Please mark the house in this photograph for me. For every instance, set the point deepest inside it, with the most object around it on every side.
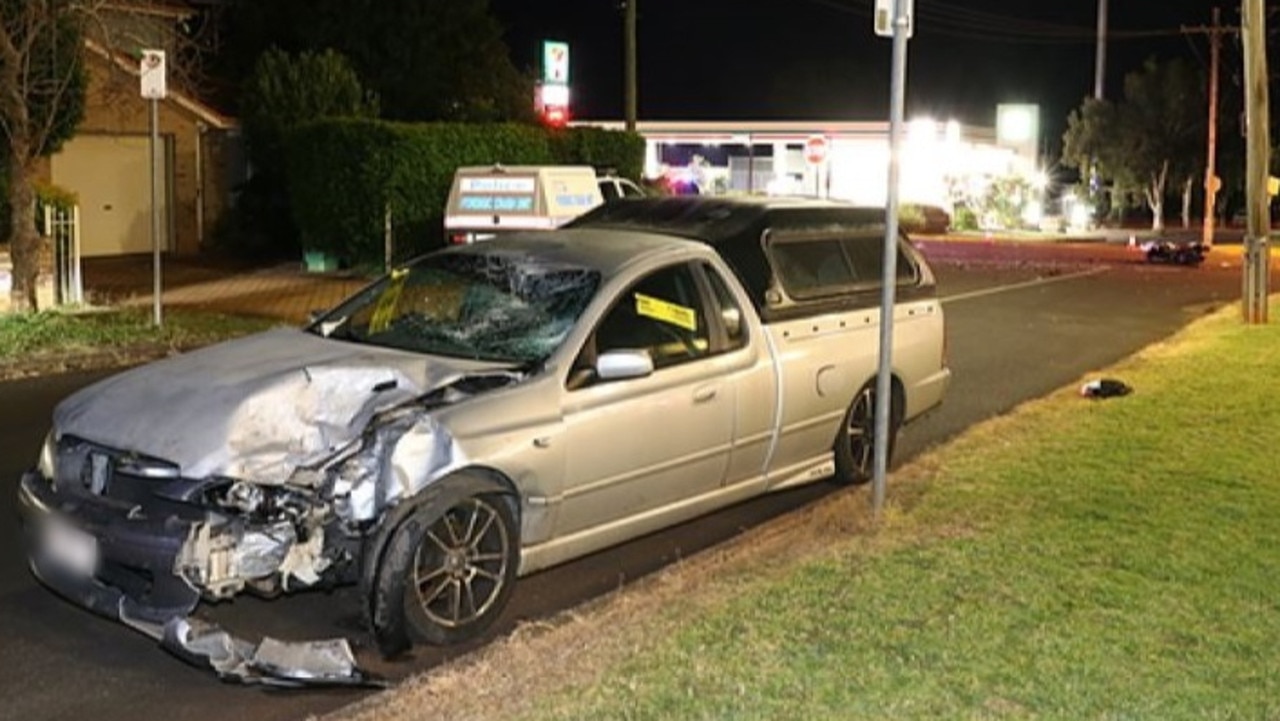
(108, 162)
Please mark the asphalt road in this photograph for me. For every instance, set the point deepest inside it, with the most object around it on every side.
(1018, 328)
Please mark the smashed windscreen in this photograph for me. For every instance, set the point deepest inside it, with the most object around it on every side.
(468, 305)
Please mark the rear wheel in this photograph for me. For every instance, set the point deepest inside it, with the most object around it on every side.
(855, 444)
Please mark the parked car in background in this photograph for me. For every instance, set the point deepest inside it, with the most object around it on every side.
(486, 411)
(486, 201)
(613, 187)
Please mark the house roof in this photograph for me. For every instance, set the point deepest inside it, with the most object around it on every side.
(201, 110)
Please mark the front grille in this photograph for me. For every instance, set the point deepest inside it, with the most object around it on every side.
(86, 468)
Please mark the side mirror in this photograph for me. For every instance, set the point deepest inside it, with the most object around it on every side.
(623, 364)
(732, 318)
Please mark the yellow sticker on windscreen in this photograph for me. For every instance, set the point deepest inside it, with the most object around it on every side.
(385, 311)
(658, 309)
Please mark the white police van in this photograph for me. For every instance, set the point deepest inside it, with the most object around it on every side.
(489, 200)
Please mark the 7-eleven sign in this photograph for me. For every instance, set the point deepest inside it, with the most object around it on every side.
(555, 63)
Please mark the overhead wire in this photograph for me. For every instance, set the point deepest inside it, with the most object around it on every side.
(954, 21)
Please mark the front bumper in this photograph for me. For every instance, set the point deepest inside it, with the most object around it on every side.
(125, 568)
(134, 554)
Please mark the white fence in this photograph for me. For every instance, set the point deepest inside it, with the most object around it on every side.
(62, 226)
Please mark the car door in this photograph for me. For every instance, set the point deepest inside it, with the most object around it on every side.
(638, 445)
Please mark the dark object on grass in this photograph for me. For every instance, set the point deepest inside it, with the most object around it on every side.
(1184, 252)
(1105, 388)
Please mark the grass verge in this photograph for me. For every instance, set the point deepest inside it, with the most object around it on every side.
(52, 332)
(1073, 559)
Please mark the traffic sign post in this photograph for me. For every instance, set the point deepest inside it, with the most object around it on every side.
(815, 149)
(815, 154)
(901, 25)
(154, 87)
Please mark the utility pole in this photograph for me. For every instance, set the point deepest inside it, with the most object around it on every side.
(1099, 87)
(1257, 251)
(629, 44)
(1211, 182)
(1100, 61)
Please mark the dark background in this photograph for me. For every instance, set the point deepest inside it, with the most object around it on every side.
(810, 59)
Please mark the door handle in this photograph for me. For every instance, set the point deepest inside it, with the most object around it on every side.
(704, 394)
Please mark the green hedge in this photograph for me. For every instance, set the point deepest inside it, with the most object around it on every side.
(344, 173)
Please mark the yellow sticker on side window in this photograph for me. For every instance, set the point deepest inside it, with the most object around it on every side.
(658, 309)
(385, 311)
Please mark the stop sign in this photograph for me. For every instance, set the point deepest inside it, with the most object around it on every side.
(815, 149)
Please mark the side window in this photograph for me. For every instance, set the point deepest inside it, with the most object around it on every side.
(631, 190)
(817, 267)
(735, 326)
(810, 268)
(867, 254)
(662, 314)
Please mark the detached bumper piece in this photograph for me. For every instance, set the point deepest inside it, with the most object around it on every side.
(271, 662)
(131, 580)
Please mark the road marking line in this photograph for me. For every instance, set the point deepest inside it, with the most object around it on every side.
(1024, 284)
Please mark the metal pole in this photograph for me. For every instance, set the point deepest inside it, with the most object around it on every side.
(632, 87)
(388, 251)
(1257, 256)
(1210, 166)
(884, 386)
(77, 280)
(1099, 92)
(155, 216)
(1100, 61)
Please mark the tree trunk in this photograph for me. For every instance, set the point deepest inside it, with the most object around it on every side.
(1155, 196)
(1187, 185)
(24, 246)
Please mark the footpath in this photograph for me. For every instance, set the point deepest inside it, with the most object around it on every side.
(283, 292)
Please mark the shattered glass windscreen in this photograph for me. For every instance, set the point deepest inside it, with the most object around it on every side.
(484, 307)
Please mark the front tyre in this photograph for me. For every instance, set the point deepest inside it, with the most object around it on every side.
(452, 571)
(855, 444)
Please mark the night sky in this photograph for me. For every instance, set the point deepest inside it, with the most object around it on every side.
(818, 59)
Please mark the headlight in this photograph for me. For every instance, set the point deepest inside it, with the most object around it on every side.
(48, 462)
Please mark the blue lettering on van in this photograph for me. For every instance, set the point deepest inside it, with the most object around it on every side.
(490, 203)
(583, 200)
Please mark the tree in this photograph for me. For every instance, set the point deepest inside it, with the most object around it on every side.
(426, 59)
(1155, 133)
(283, 91)
(42, 91)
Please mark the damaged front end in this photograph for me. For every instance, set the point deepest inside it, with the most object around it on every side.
(130, 539)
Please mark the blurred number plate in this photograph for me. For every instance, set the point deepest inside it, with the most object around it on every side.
(71, 548)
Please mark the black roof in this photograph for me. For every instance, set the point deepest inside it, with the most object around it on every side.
(735, 227)
(718, 219)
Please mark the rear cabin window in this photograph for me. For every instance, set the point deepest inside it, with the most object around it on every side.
(818, 267)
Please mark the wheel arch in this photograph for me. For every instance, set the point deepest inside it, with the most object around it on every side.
(442, 493)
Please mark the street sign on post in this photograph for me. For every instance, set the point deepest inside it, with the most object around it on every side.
(815, 149)
(900, 24)
(152, 75)
(154, 87)
(884, 16)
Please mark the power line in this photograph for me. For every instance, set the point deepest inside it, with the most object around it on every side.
(955, 21)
